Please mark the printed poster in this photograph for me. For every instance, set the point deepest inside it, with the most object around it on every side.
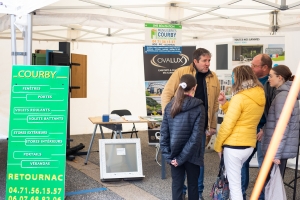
(163, 38)
(37, 133)
(158, 68)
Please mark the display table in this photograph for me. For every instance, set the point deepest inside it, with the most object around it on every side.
(115, 126)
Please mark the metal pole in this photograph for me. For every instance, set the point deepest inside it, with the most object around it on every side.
(24, 35)
(29, 39)
(13, 39)
(110, 80)
(283, 5)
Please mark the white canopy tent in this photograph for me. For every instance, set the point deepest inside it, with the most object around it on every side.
(118, 22)
(111, 33)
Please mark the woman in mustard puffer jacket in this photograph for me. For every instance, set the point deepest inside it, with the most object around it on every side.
(237, 135)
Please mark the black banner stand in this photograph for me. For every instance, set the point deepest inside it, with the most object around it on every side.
(72, 152)
(64, 60)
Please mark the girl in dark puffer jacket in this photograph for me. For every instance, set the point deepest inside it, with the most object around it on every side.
(181, 133)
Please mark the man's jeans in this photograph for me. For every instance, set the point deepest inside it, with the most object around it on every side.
(245, 170)
(201, 176)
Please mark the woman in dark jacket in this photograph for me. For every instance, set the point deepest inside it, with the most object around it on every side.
(181, 133)
(281, 78)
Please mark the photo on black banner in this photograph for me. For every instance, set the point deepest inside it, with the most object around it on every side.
(153, 91)
(154, 88)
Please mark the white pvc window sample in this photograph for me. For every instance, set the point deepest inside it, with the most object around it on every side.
(120, 158)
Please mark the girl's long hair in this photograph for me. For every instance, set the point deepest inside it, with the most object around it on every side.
(190, 82)
(243, 74)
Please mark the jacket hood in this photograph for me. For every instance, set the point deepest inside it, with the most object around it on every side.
(190, 103)
(257, 94)
(286, 87)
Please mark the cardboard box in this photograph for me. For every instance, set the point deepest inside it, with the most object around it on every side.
(151, 136)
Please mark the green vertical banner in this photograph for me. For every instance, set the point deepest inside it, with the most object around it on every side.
(36, 157)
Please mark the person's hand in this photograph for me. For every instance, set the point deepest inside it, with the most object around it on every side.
(276, 161)
(220, 154)
(212, 131)
(259, 135)
(207, 132)
(222, 99)
(174, 163)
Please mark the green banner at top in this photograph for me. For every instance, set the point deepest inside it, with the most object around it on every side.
(163, 38)
(176, 26)
(37, 133)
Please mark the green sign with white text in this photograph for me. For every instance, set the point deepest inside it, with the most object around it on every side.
(36, 157)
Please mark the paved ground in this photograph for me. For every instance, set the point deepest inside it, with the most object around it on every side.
(85, 179)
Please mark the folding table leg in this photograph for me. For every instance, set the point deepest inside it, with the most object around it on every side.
(120, 133)
(101, 132)
(91, 143)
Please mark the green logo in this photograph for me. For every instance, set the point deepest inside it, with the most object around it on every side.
(153, 34)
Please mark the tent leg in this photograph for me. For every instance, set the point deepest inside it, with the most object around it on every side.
(13, 39)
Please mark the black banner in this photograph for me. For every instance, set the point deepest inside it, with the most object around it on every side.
(160, 66)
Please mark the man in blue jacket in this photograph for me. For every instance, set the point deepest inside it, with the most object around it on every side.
(261, 66)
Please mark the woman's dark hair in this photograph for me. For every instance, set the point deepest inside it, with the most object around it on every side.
(187, 82)
(283, 71)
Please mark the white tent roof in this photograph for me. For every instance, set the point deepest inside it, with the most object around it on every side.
(117, 21)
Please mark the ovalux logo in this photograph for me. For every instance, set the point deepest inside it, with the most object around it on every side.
(159, 62)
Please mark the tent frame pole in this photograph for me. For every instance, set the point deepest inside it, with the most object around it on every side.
(13, 39)
(29, 39)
